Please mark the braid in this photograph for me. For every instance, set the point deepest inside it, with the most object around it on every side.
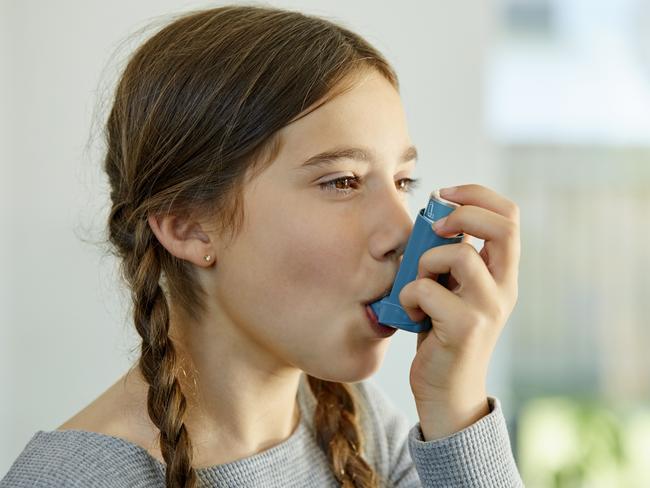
(338, 434)
(166, 402)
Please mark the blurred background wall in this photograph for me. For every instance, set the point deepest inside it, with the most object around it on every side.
(567, 102)
(544, 101)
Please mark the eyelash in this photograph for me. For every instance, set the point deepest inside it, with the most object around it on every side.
(330, 185)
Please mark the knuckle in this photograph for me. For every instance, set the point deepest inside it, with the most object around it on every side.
(420, 288)
(465, 252)
(479, 319)
(500, 312)
(513, 211)
(475, 323)
(511, 229)
(502, 309)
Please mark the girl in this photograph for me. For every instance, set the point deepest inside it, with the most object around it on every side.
(259, 164)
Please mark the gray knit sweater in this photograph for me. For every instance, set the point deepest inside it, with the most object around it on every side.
(479, 455)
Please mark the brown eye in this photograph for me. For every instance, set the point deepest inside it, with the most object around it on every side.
(409, 184)
(341, 185)
(347, 184)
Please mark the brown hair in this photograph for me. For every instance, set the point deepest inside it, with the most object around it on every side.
(196, 109)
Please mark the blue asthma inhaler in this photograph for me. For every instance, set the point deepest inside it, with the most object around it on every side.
(389, 310)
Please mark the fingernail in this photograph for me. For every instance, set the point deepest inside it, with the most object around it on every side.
(438, 224)
(445, 192)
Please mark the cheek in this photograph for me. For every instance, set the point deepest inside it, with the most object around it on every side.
(311, 258)
(294, 266)
(292, 283)
(303, 245)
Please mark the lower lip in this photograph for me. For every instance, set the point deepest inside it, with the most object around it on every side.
(380, 330)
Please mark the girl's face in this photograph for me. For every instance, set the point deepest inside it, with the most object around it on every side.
(295, 279)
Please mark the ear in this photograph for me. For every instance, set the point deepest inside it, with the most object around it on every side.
(183, 238)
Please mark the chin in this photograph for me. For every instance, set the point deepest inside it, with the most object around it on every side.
(353, 369)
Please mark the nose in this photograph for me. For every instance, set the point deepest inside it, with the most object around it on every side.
(391, 225)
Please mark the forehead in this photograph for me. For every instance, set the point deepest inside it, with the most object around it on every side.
(369, 114)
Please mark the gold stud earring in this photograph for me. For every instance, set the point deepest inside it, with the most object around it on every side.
(207, 257)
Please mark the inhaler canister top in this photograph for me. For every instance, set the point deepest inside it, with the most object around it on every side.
(435, 196)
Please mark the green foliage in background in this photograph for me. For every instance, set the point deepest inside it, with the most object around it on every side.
(565, 442)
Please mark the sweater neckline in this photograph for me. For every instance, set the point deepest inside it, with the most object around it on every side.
(281, 451)
(284, 448)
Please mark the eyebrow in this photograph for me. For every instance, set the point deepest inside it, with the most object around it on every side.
(329, 157)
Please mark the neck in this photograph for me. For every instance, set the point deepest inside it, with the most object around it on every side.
(240, 400)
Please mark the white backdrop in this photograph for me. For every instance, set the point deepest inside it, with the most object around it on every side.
(65, 331)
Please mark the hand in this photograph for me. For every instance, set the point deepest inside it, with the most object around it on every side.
(448, 374)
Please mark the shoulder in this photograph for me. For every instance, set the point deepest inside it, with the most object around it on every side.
(75, 458)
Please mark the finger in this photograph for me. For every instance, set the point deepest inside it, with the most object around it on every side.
(465, 265)
(425, 296)
(500, 234)
(475, 221)
(446, 279)
(447, 311)
(482, 196)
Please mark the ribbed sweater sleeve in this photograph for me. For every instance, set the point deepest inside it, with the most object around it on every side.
(477, 456)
